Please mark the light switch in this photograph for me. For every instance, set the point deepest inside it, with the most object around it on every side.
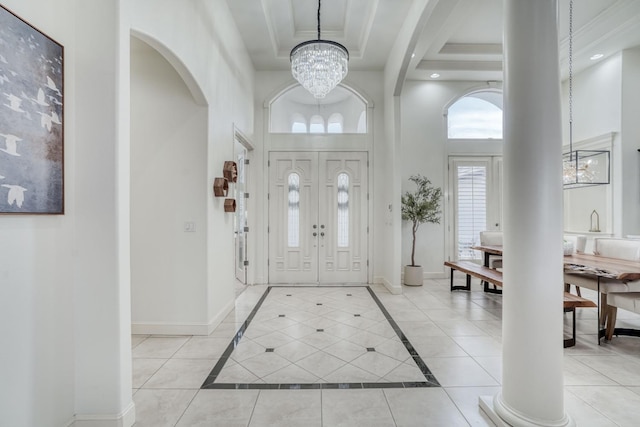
(189, 226)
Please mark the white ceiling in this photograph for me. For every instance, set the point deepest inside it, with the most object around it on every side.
(461, 39)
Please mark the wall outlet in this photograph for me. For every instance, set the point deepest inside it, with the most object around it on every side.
(189, 227)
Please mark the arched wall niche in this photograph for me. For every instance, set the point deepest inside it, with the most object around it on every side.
(182, 70)
(288, 103)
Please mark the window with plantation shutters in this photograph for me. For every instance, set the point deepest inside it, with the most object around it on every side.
(471, 209)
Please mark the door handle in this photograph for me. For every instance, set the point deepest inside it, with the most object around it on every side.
(322, 234)
(315, 234)
(315, 226)
(322, 226)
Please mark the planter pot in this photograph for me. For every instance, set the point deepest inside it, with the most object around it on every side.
(413, 275)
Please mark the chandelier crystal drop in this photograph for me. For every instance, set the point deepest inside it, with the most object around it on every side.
(319, 65)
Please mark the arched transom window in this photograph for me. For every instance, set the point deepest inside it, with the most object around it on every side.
(297, 111)
(477, 115)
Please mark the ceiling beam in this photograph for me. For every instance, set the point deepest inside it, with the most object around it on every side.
(460, 65)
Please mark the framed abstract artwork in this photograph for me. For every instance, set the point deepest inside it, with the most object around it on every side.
(31, 119)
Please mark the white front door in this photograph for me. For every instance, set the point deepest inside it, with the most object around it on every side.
(318, 217)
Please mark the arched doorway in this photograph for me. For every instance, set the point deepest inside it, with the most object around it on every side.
(168, 170)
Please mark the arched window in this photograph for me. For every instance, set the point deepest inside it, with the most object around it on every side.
(477, 115)
(316, 124)
(362, 123)
(335, 124)
(299, 124)
(291, 110)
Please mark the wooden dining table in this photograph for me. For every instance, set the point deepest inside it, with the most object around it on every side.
(611, 268)
(596, 266)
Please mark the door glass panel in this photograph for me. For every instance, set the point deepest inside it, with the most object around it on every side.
(294, 211)
(240, 211)
(343, 210)
(472, 207)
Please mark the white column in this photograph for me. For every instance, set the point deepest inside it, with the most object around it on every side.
(532, 386)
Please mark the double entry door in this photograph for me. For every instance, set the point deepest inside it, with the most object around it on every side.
(318, 217)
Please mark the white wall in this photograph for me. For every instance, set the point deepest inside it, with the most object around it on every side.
(60, 275)
(203, 38)
(65, 311)
(168, 184)
(394, 80)
(630, 142)
(425, 150)
(597, 110)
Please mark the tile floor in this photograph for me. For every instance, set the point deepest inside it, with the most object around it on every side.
(320, 337)
(457, 336)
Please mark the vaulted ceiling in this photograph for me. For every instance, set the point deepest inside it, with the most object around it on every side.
(459, 39)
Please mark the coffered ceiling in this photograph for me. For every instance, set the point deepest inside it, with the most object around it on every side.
(459, 39)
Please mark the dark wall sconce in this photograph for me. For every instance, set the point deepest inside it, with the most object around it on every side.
(230, 171)
(229, 205)
(220, 187)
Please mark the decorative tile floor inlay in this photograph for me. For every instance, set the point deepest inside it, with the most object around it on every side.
(319, 337)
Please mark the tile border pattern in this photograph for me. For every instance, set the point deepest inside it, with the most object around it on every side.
(430, 379)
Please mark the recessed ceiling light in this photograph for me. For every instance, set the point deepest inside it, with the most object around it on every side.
(435, 75)
(413, 55)
(596, 56)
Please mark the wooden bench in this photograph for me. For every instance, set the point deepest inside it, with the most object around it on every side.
(486, 274)
(571, 302)
(489, 275)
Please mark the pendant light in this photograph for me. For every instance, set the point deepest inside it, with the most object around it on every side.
(319, 65)
(581, 168)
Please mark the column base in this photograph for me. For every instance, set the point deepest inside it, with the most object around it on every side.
(486, 404)
(502, 416)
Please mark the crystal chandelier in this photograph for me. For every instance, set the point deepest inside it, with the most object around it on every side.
(319, 65)
(581, 168)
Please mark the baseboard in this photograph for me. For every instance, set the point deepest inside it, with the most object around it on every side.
(168, 328)
(126, 419)
(395, 290)
(218, 318)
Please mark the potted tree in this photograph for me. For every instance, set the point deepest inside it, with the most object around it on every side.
(419, 207)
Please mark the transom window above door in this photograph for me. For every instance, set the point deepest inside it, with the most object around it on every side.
(477, 115)
(297, 111)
